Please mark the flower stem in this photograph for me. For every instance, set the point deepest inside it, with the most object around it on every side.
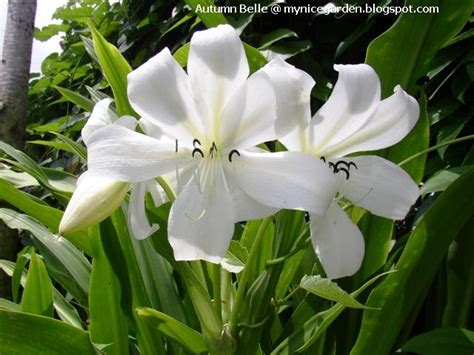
(435, 147)
(232, 325)
(216, 289)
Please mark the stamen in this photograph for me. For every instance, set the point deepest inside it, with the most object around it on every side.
(213, 149)
(196, 141)
(232, 152)
(176, 146)
(345, 170)
(197, 150)
(347, 164)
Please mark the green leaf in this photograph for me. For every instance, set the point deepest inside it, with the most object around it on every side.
(74, 147)
(52, 144)
(416, 267)
(115, 69)
(460, 279)
(275, 36)
(170, 327)
(442, 341)
(21, 262)
(441, 180)
(38, 293)
(108, 324)
(49, 216)
(303, 337)
(329, 290)
(19, 180)
(22, 333)
(9, 305)
(62, 307)
(77, 99)
(255, 58)
(420, 35)
(235, 258)
(65, 263)
(49, 31)
(209, 19)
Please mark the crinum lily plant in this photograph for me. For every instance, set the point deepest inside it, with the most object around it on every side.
(202, 128)
(200, 137)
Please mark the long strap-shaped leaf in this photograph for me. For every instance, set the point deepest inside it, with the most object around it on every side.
(426, 247)
(22, 333)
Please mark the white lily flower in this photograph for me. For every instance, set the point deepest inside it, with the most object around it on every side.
(354, 119)
(215, 115)
(97, 195)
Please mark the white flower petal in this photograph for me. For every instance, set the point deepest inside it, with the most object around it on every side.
(289, 180)
(94, 199)
(293, 92)
(380, 187)
(157, 194)
(123, 154)
(249, 117)
(201, 224)
(355, 97)
(246, 208)
(149, 128)
(338, 242)
(137, 220)
(390, 123)
(217, 67)
(160, 91)
(101, 116)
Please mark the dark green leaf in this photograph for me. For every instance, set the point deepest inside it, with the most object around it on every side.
(22, 333)
(170, 327)
(441, 342)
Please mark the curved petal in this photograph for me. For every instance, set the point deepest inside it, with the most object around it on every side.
(94, 199)
(201, 224)
(101, 116)
(137, 220)
(217, 67)
(122, 154)
(160, 91)
(249, 117)
(244, 206)
(289, 180)
(338, 242)
(380, 187)
(355, 97)
(390, 123)
(149, 128)
(292, 92)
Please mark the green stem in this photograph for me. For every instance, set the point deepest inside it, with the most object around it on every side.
(166, 186)
(435, 147)
(246, 273)
(216, 289)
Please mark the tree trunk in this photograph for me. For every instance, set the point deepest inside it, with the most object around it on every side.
(14, 76)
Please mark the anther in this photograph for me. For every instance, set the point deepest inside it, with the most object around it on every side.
(176, 145)
(346, 171)
(213, 149)
(323, 159)
(232, 152)
(333, 166)
(347, 164)
(197, 150)
(196, 141)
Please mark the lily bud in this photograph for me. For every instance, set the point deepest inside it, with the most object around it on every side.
(95, 198)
